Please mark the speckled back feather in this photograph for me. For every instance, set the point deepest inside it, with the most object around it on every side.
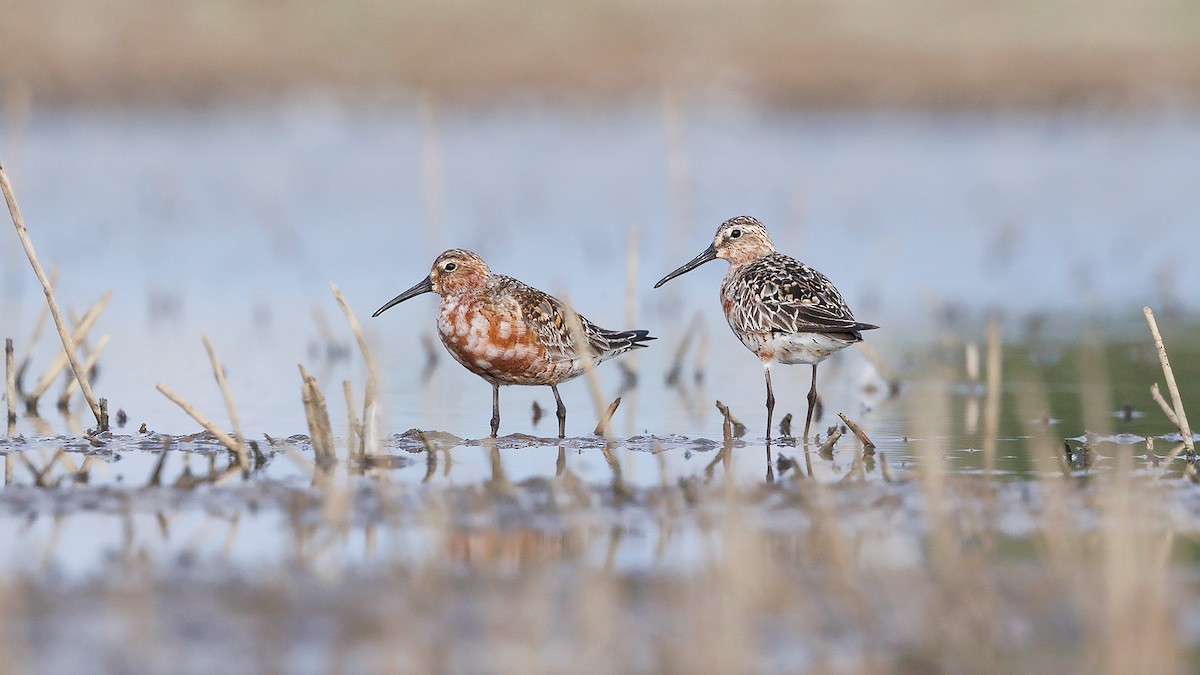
(777, 294)
(549, 318)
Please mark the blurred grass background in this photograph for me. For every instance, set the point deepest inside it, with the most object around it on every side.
(939, 53)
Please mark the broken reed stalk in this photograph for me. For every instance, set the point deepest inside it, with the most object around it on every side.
(224, 438)
(64, 399)
(10, 388)
(732, 427)
(371, 393)
(60, 359)
(219, 374)
(48, 289)
(317, 414)
(827, 447)
(602, 425)
(862, 436)
(1172, 387)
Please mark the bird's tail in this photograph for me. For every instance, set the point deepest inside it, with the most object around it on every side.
(621, 341)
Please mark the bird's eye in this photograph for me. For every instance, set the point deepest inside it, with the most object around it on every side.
(450, 267)
(735, 234)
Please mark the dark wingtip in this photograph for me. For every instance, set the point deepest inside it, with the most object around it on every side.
(639, 337)
(632, 338)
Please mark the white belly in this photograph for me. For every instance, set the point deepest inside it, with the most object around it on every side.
(795, 348)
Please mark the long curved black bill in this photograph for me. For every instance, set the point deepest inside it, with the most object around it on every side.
(426, 286)
(707, 255)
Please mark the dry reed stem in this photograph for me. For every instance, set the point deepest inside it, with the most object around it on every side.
(1162, 403)
(317, 415)
(61, 358)
(81, 345)
(38, 325)
(732, 427)
(1172, 387)
(64, 399)
(219, 374)
(372, 390)
(208, 425)
(10, 388)
(971, 361)
(48, 289)
(580, 343)
(352, 429)
(991, 404)
(827, 447)
(602, 425)
(868, 445)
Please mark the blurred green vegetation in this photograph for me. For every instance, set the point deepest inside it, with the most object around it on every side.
(1074, 387)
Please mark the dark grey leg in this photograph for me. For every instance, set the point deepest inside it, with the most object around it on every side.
(495, 409)
(812, 402)
(560, 411)
(770, 404)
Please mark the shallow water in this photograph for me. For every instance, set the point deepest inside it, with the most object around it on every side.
(233, 222)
